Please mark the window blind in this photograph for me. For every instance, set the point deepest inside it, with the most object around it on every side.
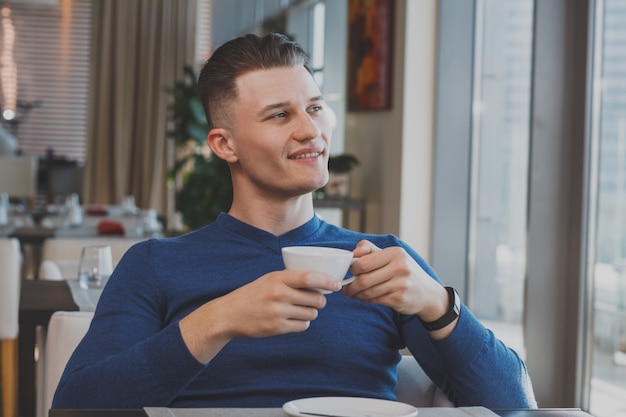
(52, 49)
(204, 40)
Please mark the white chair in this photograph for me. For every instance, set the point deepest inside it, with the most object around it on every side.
(10, 263)
(57, 270)
(60, 256)
(416, 388)
(65, 331)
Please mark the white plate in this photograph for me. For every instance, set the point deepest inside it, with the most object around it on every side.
(348, 407)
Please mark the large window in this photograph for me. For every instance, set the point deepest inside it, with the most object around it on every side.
(501, 102)
(499, 165)
(607, 357)
(529, 214)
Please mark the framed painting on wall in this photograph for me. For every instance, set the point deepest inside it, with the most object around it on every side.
(370, 25)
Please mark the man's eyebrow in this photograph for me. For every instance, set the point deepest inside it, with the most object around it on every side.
(282, 104)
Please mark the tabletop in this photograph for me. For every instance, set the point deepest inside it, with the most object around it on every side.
(43, 297)
(277, 412)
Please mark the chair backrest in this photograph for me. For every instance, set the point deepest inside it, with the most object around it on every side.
(416, 388)
(65, 331)
(53, 270)
(10, 263)
(60, 256)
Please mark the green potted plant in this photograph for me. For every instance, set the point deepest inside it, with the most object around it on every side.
(203, 184)
(339, 169)
(342, 163)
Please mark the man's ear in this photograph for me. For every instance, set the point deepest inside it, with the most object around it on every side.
(219, 141)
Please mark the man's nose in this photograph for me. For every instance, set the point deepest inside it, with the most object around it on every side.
(306, 127)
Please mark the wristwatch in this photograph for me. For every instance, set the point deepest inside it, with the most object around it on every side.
(454, 309)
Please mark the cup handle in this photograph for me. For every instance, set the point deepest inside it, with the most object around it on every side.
(352, 278)
(347, 281)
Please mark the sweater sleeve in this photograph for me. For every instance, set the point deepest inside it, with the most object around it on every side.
(142, 362)
(471, 365)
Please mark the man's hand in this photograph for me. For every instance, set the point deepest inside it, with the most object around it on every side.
(277, 303)
(390, 277)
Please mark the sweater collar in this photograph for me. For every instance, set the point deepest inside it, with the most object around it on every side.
(296, 236)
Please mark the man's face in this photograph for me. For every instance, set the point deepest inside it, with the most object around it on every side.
(281, 132)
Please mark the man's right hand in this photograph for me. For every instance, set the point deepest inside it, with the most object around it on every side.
(277, 303)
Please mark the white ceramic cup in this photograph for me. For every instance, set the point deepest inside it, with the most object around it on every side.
(329, 261)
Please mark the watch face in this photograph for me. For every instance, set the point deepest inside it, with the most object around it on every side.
(457, 302)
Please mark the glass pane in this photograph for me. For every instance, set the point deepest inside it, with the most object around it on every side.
(500, 140)
(317, 53)
(608, 355)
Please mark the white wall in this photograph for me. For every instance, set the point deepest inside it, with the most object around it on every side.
(395, 146)
(418, 134)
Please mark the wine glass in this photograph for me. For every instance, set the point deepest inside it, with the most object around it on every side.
(95, 267)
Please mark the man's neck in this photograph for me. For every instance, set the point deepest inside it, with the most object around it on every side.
(274, 216)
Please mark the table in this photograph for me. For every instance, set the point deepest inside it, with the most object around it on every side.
(33, 228)
(277, 412)
(39, 299)
(31, 240)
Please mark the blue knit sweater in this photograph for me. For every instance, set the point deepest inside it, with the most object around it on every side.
(134, 356)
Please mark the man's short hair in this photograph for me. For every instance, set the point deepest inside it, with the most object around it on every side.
(217, 80)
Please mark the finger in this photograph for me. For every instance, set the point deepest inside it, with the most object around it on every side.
(392, 260)
(276, 318)
(369, 269)
(387, 294)
(369, 258)
(365, 247)
(296, 326)
(283, 326)
(303, 313)
(307, 298)
(384, 267)
(366, 289)
(297, 319)
(376, 291)
(312, 281)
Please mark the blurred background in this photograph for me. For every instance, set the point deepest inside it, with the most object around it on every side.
(489, 134)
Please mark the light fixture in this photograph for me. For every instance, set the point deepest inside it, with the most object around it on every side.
(8, 68)
(8, 114)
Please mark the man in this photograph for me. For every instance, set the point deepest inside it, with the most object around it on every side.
(213, 319)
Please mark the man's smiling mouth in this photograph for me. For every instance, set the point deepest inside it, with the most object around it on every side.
(306, 155)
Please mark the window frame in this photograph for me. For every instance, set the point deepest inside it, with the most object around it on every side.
(556, 325)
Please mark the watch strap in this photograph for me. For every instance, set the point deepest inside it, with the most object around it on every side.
(454, 309)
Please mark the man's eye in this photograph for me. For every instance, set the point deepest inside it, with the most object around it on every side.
(315, 108)
(280, 115)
